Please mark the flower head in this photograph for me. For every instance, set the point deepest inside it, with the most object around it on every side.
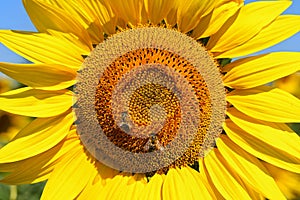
(139, 99)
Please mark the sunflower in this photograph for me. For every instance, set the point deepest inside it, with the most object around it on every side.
(290, 84)
(10, 124)
(140, 99)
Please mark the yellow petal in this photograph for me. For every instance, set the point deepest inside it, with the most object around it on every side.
(70, 176)
(102, 12)
(135, 187)
(102, 175)
(210, 24)
(130, 11)
(122, 184)
(92, 188)
(87, 14)
(153, 189)
(265, 103)
(157, 10)
(45, 17)
(40, 76)
(280, 29)
(174, 187)
(36, 103)
(249, 168)
(223, 179)
(261, 149)
(290, 84)
(81, 12)
(204, 174)
(31, 170)
(277, 135)
(39, 167)
(91, 191)
(190, 13)
(259, 70)
(252, 193)
(286, 181)
(37, 137)
(172, 15)
(111, 190)
(198, 186)
(106, 174)
(245, 24)
(58, 48)
(184, 184)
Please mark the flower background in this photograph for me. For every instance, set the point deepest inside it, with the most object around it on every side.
(13, 16)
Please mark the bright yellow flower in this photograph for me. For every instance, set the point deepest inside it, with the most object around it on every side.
(160, 114)
(290, 84)
(286, 181)
(10, 124)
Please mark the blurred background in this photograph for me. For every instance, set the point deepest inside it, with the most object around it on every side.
(13, 16)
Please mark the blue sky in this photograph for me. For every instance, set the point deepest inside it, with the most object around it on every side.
(13, 16)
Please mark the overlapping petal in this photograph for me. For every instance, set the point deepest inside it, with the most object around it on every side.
(203, 188)
(70, 175)
(124, 186)
(46, 17)
(83, 14)
(134, 187)
(280, 29)
(245, 24)
(157, 10)
(191, 12)
(290, 84)
(171, 18)
(38, 168)
(102, 14)
(204, 174)
(100, 177)
(37, 137)
(285, 180)
(36, 103)
(57, 48)
(261, 149)
(130, 11)
(92, 188)
(259, 70)
(224, 179)
(108, 192)
(277, 135)
(42, 76)
(212, 22)
(249, 168)
(32, 170)
(266, 103)
(183, 184)
(94, 15)
(153, 189)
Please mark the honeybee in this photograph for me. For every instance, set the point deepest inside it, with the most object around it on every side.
(153, 143)
(124, 125)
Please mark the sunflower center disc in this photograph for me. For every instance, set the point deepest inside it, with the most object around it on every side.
(148, 98)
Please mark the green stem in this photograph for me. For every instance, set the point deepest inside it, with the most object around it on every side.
(13, 192)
